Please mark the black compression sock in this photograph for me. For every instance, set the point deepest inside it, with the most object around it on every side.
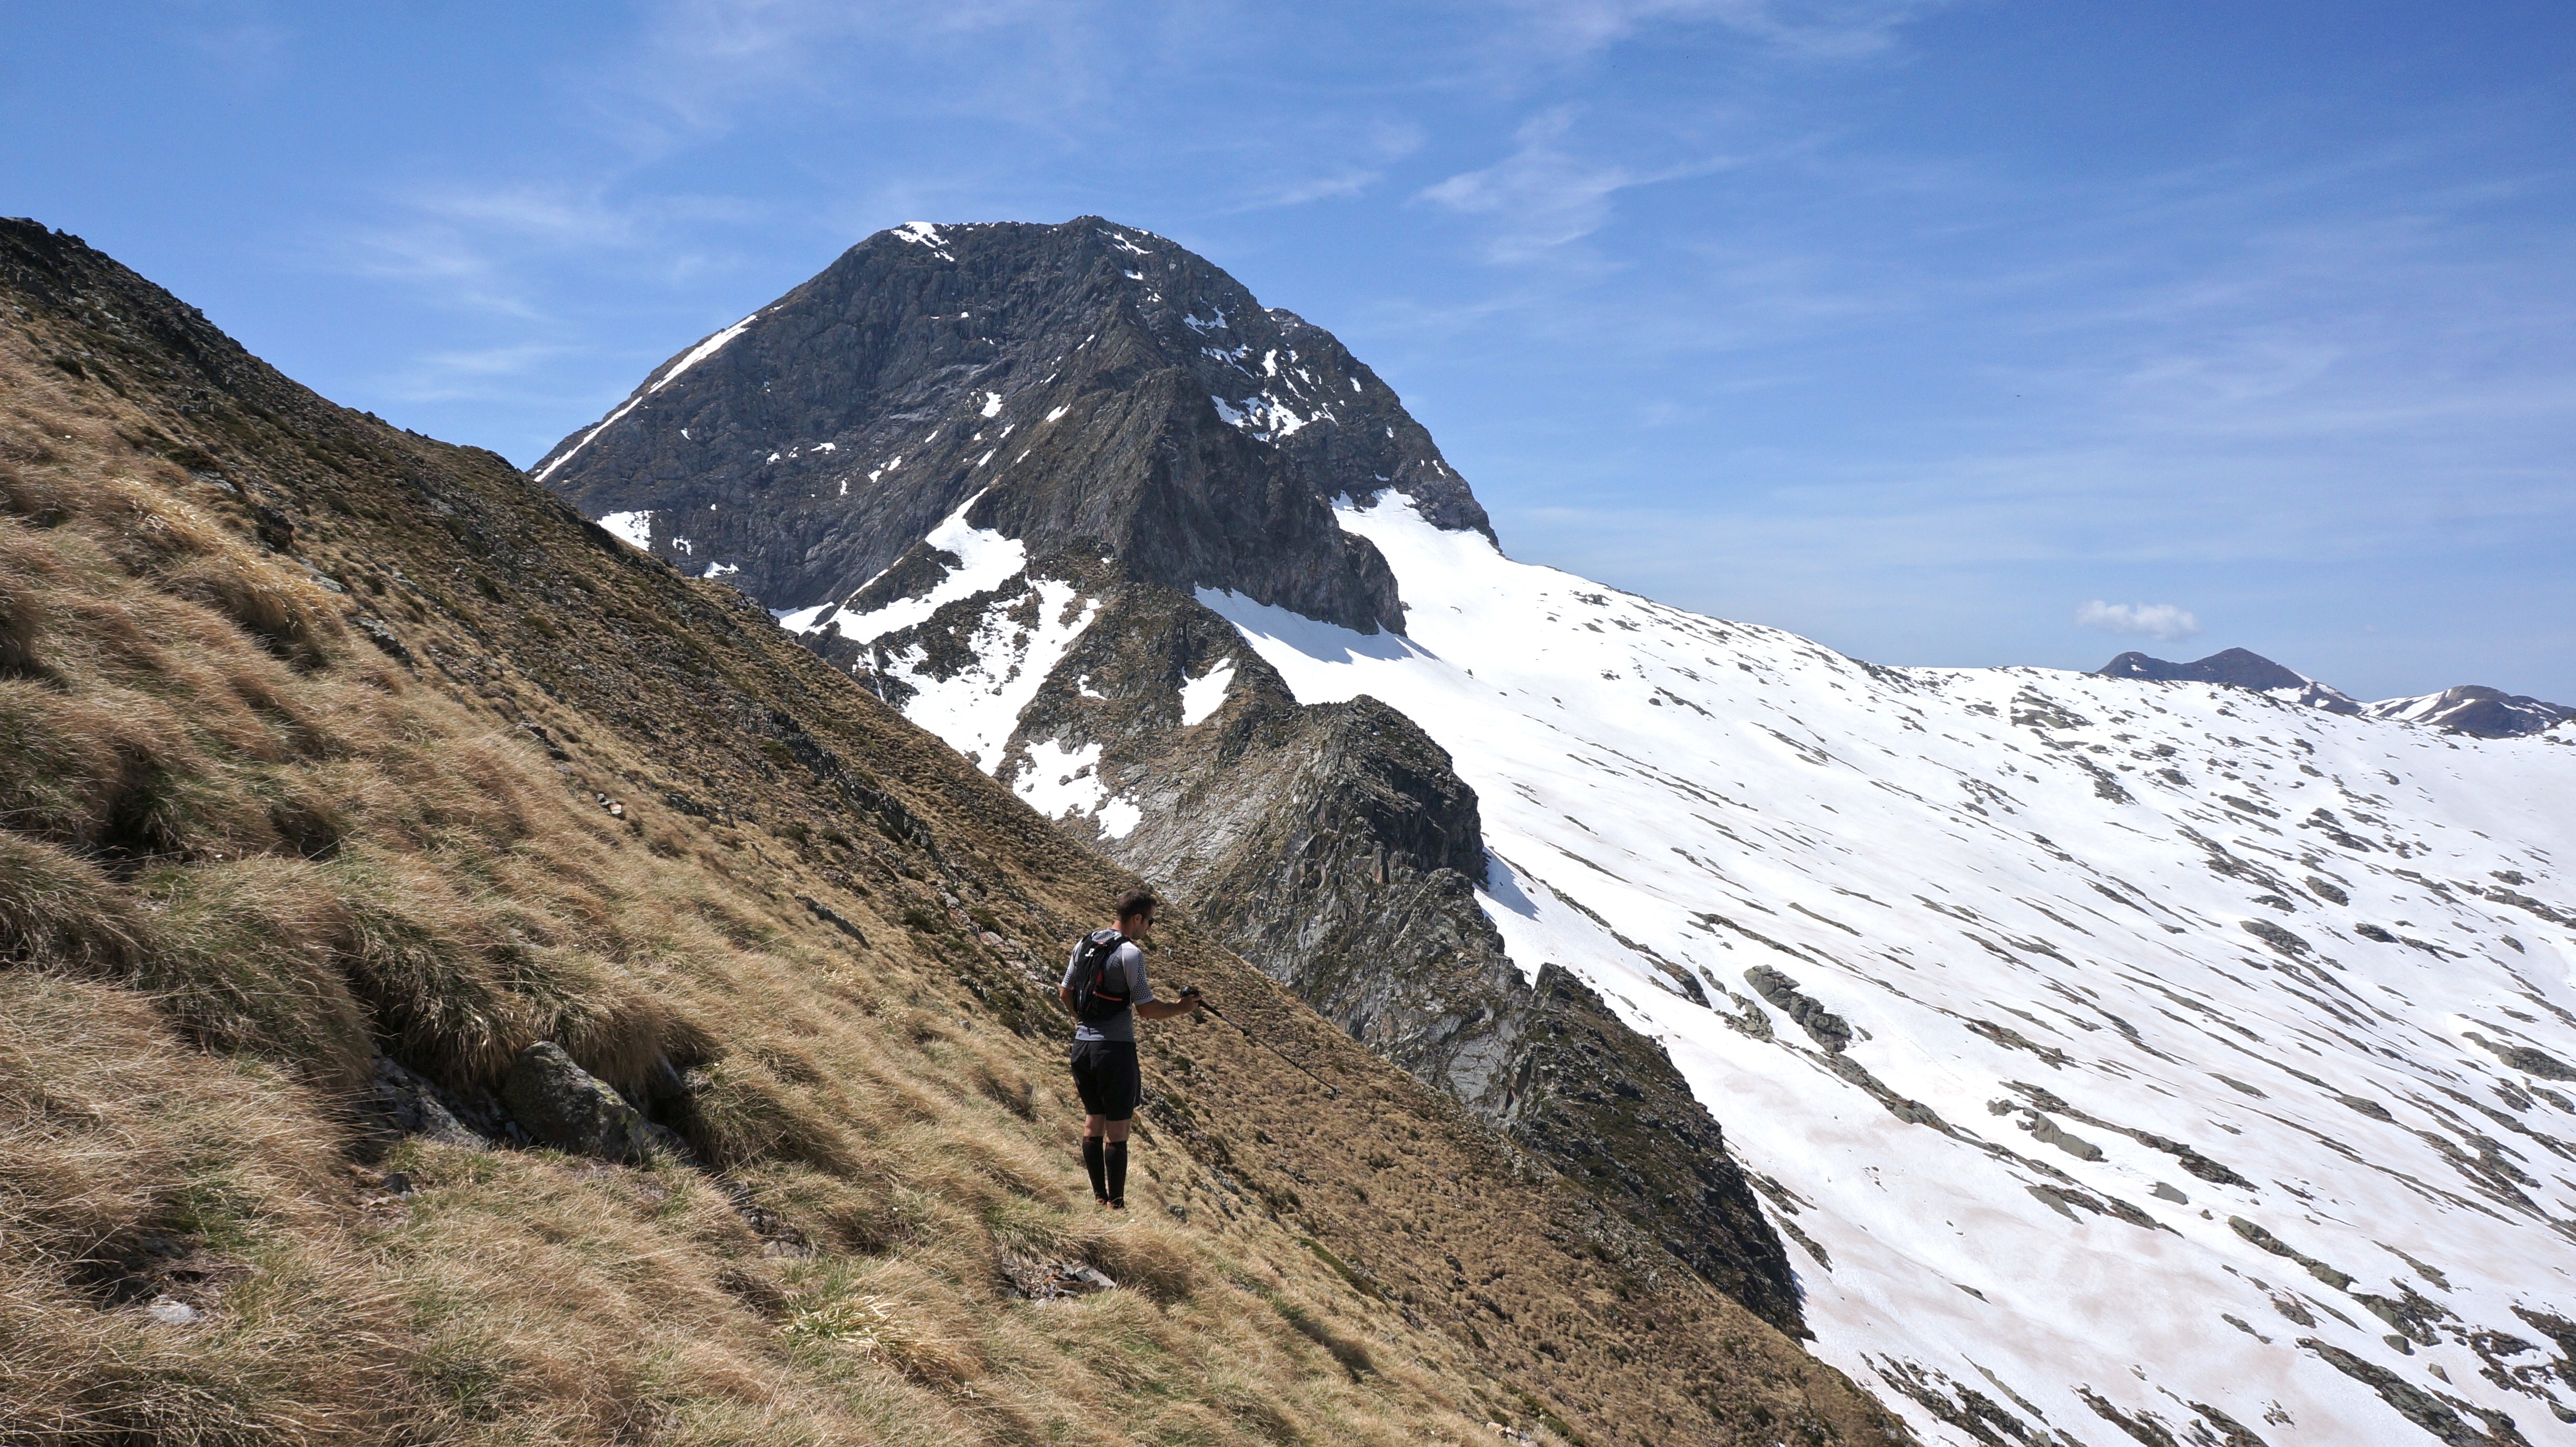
(1117, 1161)
(1092, 1162)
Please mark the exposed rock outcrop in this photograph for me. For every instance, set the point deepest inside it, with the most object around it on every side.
(1085, 385)
(562, 1105)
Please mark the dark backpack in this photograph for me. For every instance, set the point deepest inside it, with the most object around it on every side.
(1100, 985)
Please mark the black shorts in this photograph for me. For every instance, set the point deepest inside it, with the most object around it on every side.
(1105, 1075)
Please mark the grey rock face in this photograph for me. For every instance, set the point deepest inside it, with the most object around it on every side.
(405, 1104)
(1086, 383)
(562, 1105)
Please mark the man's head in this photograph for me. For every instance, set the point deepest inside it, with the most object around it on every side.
(1136, 913)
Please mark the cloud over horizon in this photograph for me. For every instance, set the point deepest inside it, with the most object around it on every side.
(2161, 621)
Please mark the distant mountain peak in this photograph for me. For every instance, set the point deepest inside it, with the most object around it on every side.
(2241, 667)
(2474, 709)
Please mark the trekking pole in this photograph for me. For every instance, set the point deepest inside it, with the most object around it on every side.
(1191, 992)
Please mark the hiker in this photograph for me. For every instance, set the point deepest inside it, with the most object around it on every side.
(1105, 989)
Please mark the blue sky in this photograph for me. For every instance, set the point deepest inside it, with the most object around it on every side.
(1915, 327)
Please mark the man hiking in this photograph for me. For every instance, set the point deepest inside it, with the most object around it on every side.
(1105, 989)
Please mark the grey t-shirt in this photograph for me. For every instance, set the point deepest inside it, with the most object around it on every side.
(1121, 1026)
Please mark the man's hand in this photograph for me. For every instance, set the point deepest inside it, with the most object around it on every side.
(1191, 997)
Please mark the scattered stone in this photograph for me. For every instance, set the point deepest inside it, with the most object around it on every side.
(2527, 1059)
(2414, 1403)
(2339, 1280)
(380, 634)
(406, 1104)
(832, 917)
(1826, 1028)
(2163, 1192)
(1051, 1280)
(2041, 1128)
(2281, 940)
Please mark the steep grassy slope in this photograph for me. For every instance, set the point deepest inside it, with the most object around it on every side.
(325, 748)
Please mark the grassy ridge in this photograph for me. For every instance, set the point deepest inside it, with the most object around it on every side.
(321, 742)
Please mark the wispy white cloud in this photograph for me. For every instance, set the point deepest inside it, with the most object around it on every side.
(245, 48)
(480, 248)
(1824, 29)
(1544, 194)
(2161, 621)
(700, 67)
(1331, 187)
(479, 374)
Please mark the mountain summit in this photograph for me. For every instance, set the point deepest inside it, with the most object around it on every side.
(1083, 387)
(2118, 1059)
(2473, 709)
(2241, 667)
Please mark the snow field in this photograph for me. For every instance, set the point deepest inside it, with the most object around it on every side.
(1986, 873)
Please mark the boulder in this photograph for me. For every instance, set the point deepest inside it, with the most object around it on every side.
(562, 1105)
(405, 1104)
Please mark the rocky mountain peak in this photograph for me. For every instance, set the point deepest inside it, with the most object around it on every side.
(2472, 709)
(1086, 387)
(2242, 667)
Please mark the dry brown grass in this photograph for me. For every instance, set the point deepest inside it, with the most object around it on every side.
(243, 857)
(244, 851)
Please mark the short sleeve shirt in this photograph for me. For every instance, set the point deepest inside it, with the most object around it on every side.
(1121, 1026)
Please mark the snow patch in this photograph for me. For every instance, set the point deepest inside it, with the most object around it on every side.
(1057, 782)
(804, 620)
(1205, 694)
(635, 529)
(1119, 818)
(977, 709)
(986, 560)
(922, 233)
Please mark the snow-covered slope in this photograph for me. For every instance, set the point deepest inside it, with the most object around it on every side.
(2123, 1056)
(2177, 1016)
(2473, 709)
